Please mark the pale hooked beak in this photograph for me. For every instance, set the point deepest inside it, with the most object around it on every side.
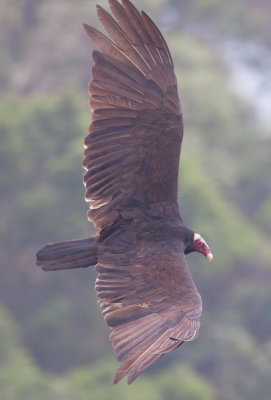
(209, 257)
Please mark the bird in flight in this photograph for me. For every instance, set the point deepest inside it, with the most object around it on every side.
(132, 150)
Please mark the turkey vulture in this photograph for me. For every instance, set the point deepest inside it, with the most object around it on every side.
(132, 149)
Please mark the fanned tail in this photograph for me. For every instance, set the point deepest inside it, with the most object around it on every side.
(71, 254)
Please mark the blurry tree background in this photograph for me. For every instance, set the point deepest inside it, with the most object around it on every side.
(53, 340)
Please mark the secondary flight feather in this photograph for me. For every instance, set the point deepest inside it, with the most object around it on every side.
(131, 158)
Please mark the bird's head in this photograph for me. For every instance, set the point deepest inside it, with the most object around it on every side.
(201, 246)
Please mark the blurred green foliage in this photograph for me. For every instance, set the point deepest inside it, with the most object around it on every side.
(54, 342)
(21, 378)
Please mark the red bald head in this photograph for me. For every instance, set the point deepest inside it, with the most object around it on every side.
(202, 247)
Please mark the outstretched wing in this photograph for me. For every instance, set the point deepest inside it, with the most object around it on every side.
(133, 144)
(149, 298)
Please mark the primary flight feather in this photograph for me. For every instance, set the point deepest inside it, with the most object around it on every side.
(148, 297)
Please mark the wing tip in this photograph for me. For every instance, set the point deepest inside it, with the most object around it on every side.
(120, 374)
(88, 29)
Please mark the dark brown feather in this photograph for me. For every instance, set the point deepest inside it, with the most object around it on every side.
(71, 254)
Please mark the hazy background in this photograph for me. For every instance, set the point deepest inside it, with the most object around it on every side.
(53, 340)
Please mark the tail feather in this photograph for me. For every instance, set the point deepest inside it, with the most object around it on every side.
(67, 255)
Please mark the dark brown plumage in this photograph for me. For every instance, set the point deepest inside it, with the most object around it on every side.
(148, 297)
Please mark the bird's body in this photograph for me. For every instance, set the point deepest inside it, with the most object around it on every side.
(148, 297)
